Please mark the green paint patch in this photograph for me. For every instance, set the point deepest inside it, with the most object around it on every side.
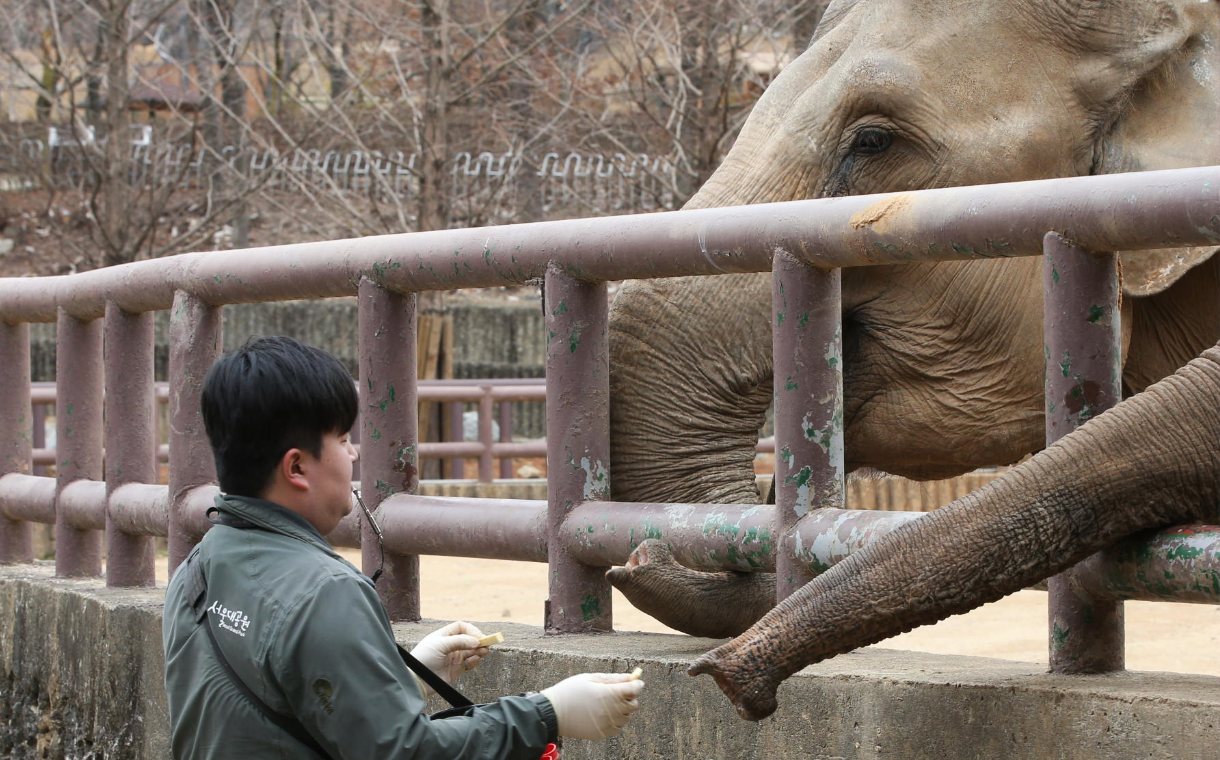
(390, 388)
(1059, 636)
(562, 308)
(590, 608)
(1184, 551)
(789, 385)
(574, 340)
(375, 434)
(961, 247)
(779, 318)
(1096, 313)
(785, 455)
(802, 320)
(385, 489)
(802, 477)
(1065, 364)
(1054, 275)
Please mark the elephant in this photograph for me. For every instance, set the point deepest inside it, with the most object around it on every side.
(942, 362)
(1153, 459)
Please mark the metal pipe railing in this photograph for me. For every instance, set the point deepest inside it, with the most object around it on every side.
(1084, 369)
(488, 394)
(1128, 212)
(578, 532)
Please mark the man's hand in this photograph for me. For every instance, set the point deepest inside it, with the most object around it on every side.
(450, 651)
(594, 705)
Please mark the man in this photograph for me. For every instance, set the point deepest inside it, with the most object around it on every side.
(275, 646)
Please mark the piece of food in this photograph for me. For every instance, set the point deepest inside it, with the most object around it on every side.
(635, 674)
(492, 638)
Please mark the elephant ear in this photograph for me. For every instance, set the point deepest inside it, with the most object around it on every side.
(1164, 115)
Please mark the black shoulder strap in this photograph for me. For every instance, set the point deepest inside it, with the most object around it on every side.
(444, 690)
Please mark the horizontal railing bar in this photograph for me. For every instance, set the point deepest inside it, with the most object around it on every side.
(194, 507)
(1179, 564)
(28, 497)
(460, 527)
(82, 504)
(1135, 211)
(140, 509)
(435, 390)
(347, 533)
(701, 536)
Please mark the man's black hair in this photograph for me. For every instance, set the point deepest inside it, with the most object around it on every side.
(271, 395)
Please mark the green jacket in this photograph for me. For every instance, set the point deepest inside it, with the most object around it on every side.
(308, 634)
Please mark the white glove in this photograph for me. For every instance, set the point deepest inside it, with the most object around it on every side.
(450, 651)
(594, 705)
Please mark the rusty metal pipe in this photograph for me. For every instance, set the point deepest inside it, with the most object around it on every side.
(29, 498)
(485, 437)
(78, 361)
(578, 443)
(191, 510)
(139, 509)
(459, 527)
(389, 457)
(1083, 334)
(1180, 564)
(81, 506)
(1134, 211)
(131, 441)
(195, 333)
(506, 436)
(16, 539)
(807, 336)
(702, 536)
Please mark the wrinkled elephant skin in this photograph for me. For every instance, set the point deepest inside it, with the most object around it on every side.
(1093, 487)
(942, 362)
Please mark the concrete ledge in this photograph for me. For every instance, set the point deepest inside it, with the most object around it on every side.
(81, 674)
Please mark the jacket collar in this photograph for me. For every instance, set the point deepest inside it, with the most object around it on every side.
(271, 516)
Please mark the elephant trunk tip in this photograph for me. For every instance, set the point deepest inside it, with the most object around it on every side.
(751, 693)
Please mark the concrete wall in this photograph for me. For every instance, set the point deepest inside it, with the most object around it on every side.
(81, 678)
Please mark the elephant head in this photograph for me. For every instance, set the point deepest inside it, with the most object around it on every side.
(1152, 460)
(899, 95)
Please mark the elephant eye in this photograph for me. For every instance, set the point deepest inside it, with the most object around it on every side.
(870, 142)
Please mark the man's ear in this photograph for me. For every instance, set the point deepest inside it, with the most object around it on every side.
(291, 470)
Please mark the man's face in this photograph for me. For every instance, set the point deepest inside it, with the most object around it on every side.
(330, 481)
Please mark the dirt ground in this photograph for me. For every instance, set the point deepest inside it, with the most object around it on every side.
(1181, 638)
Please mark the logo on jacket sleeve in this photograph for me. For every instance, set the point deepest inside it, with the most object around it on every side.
(234, 621)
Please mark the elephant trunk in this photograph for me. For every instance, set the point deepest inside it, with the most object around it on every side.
(687, 403)
(1151, 461)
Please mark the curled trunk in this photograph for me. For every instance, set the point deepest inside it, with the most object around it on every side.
(715, 605)
(1153, 460)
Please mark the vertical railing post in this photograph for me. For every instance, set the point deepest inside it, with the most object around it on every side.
(485, 436)
(578, 443)
(1083, 379)
(807, 338)
(457, 432)
(16, 538)
(131, 437)
(389, 452)
(196, 333)
(78, 439)
(506, 436)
